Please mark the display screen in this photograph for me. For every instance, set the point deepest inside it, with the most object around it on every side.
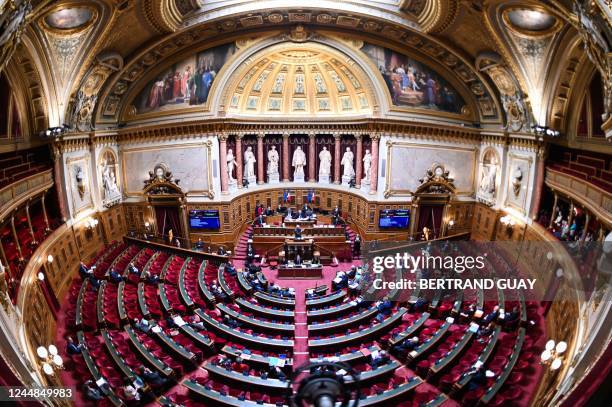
(394, 218)
(206, 219)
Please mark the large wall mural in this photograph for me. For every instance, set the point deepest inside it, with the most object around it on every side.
(186, 83)
(413, 84)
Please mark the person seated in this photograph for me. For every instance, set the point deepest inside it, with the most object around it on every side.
(259, 220)
(298, 232)
(294, 214)
(510, 318)
(468, 312)
(280, 209)
(479, 376)
(298, 259)
(91, 390)
(151, 278)
(129, 392)
(170, 322)
(177, 242)
(384, 309)
(114, 276)
(221, 251)
(379, 358)
(85, 272)
(231, 270)
(491, 316)
(486, 330)
(196, 322)
(269, 212)
(336, 211)
(407, 345)
(152, 378)
(209, 250)
(231, 322)
(95, 283)
(72, 348)
(199, 244)
(132, 269)
(143, 325)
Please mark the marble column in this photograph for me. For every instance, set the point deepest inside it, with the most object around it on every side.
(374, 169)
(238, 156)
(16, 238)
(359, 161)
(223, 164)
(554, 211)
(337, 138)
(539, 184)
(286, 157)
(261, 175)
(311, 158)
(185, 224)
(59, 188)
(44, 208)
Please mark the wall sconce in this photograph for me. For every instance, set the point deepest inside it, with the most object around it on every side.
(50, 259)
(91, 223)
(40, 276)
(451, 224)
(50, 359)
(508, 222)
(551, 355)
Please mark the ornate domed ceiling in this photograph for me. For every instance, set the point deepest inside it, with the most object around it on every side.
(300, 80)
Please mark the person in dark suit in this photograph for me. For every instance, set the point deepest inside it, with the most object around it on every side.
(298, 259)
(72, 348)
(281, 209)
(115, 277)
(298, 232)
(84, 271)
(269, 211)
(199, 244)
(357, 245)
(336, 211)
(221, 251)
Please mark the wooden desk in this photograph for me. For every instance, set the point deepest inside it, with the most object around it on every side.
(153, 360)
(249, 381)
(285, 303)
(325, 300)
(410, 330)
(277, 328)
(255, 358)
(216, 398)
(303, 271)
(386, 397)
(351, 357)
(344, 322)
(265, 311)
(499, 382)
(360, 336)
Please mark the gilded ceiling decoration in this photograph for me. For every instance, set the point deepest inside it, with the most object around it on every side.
(69, 18)
(300, 80)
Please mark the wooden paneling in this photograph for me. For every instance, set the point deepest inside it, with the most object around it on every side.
(483, 222)
(113, 223)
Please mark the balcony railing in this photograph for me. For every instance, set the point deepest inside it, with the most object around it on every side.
(16, 193)
(596, 199)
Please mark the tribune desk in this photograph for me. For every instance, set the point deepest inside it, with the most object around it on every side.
(270, 239)
(305, 270)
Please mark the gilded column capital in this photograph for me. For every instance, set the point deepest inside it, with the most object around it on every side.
(261, 135)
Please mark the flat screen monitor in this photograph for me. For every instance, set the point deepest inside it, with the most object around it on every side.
(394, 219)
(204, 219)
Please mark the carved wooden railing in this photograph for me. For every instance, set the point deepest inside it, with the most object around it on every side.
(13, 195)
(596, 199)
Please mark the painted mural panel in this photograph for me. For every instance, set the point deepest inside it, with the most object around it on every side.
(406, 158)
(186, 83)
(189, 164)
(413, 84)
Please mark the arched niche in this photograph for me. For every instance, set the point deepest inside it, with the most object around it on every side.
(109, 176)
(489, 177)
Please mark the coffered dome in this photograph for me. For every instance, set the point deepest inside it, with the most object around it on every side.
(300, 79)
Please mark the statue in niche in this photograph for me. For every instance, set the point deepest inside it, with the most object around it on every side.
(367, 167)
(517, 180)
(298, 162)
(347, 163)
(273, 160)
(109, 181)
(249, 163)
(487, 182)
(325, 159)
(231, 163)
(79, 177)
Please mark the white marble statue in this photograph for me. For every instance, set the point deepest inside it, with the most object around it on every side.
(487, 183)
(347, 162)
(249, 165)
(273, 160)
(325, 159)
(231, 164)
(367, 167)
(273, 176)
(111, 191)
(298, 162)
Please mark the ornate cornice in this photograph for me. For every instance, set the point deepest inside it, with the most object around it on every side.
(162, 15)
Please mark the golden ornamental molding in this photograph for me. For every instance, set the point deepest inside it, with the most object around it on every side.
(116, 88)
(162, 15)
